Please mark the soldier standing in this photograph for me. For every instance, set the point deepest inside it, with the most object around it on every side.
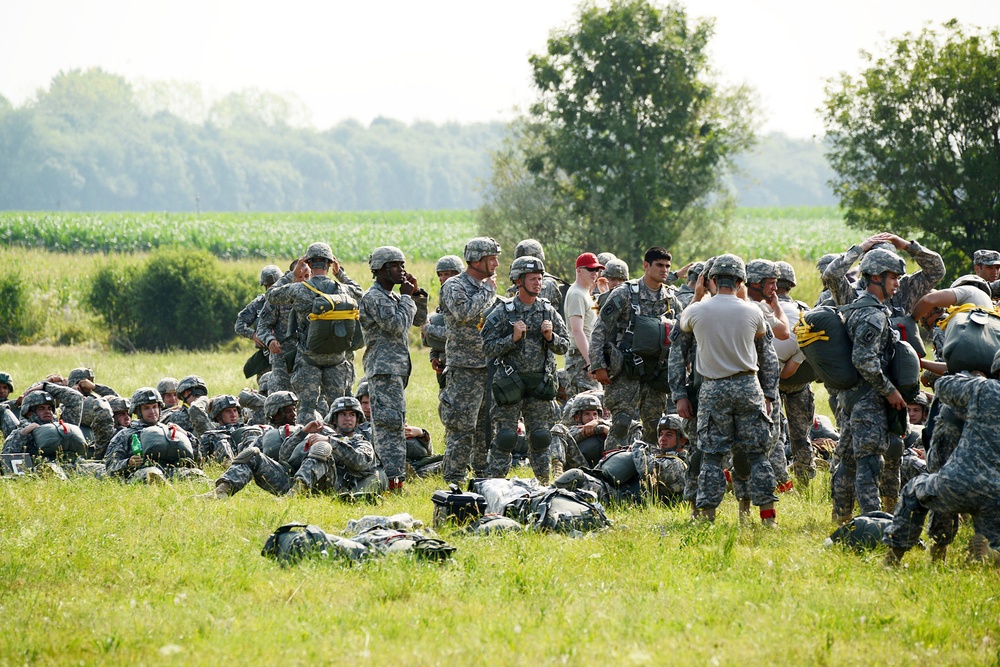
(385, 319)
(523, 335)
(464, 406)
(581, 318)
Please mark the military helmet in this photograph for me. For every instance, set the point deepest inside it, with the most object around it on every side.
(220, 403)
(119, 404)
(34, 399)
(616, 268)
(759, 270)
(479, 247)
(879, 260)
(587, 402)
(6, 379)
(605, 257)
(973, 280)
(727, 265)
(921, 399)
(320, 250)
(523, 265)
(264, 383)
(78, 374)
(278, 400)
(167, 386)
(344, 404)
(529, 248)
(786, 273)
(383, 255)
(270, 274)
(144, 396)
(824, 261)
(191, 382)
(672, 422)
(362, 389)
(449, 263)
(694, 271)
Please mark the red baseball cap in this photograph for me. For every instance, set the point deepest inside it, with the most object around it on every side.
(588, 260)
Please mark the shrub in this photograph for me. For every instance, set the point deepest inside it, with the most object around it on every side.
(14, 320)
(178, 299)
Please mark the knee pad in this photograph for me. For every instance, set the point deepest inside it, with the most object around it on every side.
(246, 456)
(571, 479)
(320, 451)
(506, 440)
(540, 439)
(754, 459)
(619, 425)
(712, 460)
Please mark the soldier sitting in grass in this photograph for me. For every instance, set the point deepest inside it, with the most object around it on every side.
(57, 439)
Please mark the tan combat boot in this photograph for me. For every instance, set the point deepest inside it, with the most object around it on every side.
(938, 552)
(557, 468)
(299, 488)
(744, 510)
(980, 551)
(893, 557)
(222, 490)
(889, 503)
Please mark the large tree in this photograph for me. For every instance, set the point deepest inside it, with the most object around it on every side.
(916, 139)
(630, 131)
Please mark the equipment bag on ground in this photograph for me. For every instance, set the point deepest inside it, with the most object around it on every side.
(559, 510)
(455, 505)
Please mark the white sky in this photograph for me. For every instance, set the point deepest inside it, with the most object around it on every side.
(435, 60)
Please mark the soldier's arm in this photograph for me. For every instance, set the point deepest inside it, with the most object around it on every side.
(289, 444)
(103, 426)
(420, 301)
(198, 412)
(560, 340)
(70, 399)
(835, 276)
(251, 399)
(958, 390)
(8, 421)
(246, 320)
(266, 321)
(645, 464)
(920, 283)
(17, 443)
(282, 294)
(356, 455)
(677, 363)
(865, 354)
(769, 370)
(671, 472)
(466, 306)
(119, 452)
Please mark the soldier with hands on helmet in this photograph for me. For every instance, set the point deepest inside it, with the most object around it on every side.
(191, 413)
(523, 335)
(385, 320)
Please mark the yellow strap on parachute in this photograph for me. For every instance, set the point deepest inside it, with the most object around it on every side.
(331, 314)
(964, 308)
(804, 333)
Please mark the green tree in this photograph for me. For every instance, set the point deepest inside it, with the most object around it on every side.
(631, 133)
(916, 139)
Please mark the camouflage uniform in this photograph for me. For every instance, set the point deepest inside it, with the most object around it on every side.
(192, 417)
(71, 403)
(464, 406)
(662, 475)
(116, 459)
(252, 403)
(386, 318)
(948, 424)
(685, 384)
(439, 331)
(550, 291)
(628, 399)
(912, 287)
(800, 405)
(8, 420)
(98, 422)
(246, 320)
(530, 354)
(969, 482)
(314, 375)
(272, 324)
(864, 434)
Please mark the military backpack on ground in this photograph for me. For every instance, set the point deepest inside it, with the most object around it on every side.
(863, 532)
(457, 506)
(559, 510)
(294, 541)
(333, 323)
(60, 440)
(165, 443)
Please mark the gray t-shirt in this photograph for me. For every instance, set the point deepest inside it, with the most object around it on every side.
(579, 303)
(725, 328)
(968, 294)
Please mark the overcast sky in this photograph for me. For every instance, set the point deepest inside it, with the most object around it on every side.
(428, 59)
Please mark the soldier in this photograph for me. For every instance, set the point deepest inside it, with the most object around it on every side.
(615, 273)
(626, 397)
(986, 265)
(864, 432)
(8, 406)
(97, 420)
(523, 335)
(191, 413)
(168, 391)
(317, 374)
(734, 410)
(464, 406)
(797, 399)
(334, 460)
(686, 293)
(246, 320)
(273, 327)
(551, 286)
(968, 482)
(36, 436)
(227, 435)
(825, 297)
(663, 468)
(579, 440)
(121, 411)
(150, 452)
(385, 319)
(581, 316)
(684, 386)
(447, 267)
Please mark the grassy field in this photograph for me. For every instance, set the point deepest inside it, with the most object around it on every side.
(102, 573)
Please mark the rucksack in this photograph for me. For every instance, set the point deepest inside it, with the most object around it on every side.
(559, 510)
(333, 323)
(863, 532)
(823, 340)
(428, 338)
(294, 541)
(387, 541)
(270, 442)
(617, 468)
(971, 338)
(165, 443)
(458, 506)
(59, 439)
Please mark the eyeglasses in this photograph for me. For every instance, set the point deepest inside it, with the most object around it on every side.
(591, 270)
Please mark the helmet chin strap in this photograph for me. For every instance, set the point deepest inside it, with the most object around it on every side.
(881, 285)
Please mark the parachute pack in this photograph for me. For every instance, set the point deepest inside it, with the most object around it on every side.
(293, 542)
(333, 323)
(824, 341)
(971, 338)
(559, 510)
(862, 532)
(165, 443)
(59, 440)
(430, 339)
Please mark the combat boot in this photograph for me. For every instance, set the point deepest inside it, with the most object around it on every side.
(768, 515)
(299, 488)
(222, 490)
(889, 503)
(707, 515)
(893, 557)
(980, 551)
(695, 512)
(557, 468)
(744, 510)
(938, 552)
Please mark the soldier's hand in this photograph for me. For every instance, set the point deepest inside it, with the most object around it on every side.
(274, 347)
(682, 272)
(700, 287)
(685, 409)
(85, 385)
(741, 291)
(547, 329)
(29, 428)
(492, 280)
(603, 285)
(601, 375)
(134, 461)
(896, 400)
(519, 329)
(881, 237)
(409, 285)
(334, 268)
(257, 341)
(55, 378)
(315, 426)
(436, 365)
(302, 271)
(313, 438)
(768, 406)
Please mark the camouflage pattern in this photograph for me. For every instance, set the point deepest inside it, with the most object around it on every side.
(731, 418)
(550, 291)
(531, 354)
(969, 482)
(246, 320)
(776, 456)
(464, 412)
(8, 420)
(911, 287)
(252, 404)
(625, 396)
(316, 385)
(116, 459)
(388, 421)
(272, 324)
(192, 417)
(685, 295)
(662, 474)
(577, 373)
(463, 300)
(949, 422)
(386, 318)
(98, 417)
(800, 405)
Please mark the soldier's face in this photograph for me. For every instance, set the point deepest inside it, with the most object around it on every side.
(587, 416)
(44, 413)
(657, 270)
(122, 419)
(891, 285)
(916, 413)
(768, 287)
(486, 265)
(987, 273)
(366, 406)
(668, 439)
(444, 275)
(229, 416)
(531, 283)
(149, 413)
(347, 421)
(170, 399)
(395, 272)
(4, 391)
(288, 414)
(614, 282)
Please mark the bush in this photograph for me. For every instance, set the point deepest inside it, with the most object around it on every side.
(178, 299)
(14, 320)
